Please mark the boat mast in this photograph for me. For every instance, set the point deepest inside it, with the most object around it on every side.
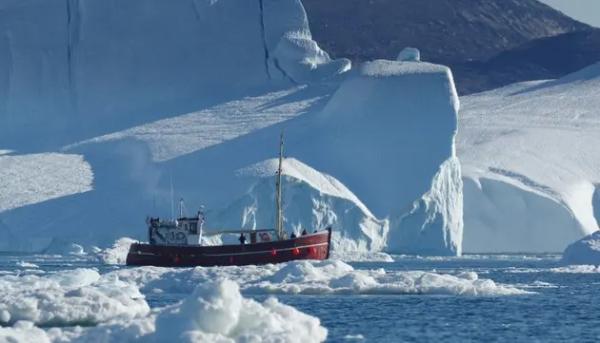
(279, 215)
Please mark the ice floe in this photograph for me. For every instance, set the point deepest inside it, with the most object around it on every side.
(69, 297)
(317, 277)
(214, 312)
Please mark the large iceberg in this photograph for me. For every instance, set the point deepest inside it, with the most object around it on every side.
(530, 164)
(202, 94)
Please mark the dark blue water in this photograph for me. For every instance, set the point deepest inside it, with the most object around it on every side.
(564, 307)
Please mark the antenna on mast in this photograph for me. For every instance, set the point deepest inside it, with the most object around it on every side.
(172, 196)
(279, 214)
(180, 207)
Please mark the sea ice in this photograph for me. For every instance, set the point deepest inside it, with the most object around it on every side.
(215, 311)
(68, 297)
(317, 277)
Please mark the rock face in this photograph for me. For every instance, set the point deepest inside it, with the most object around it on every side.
(540, 59)
(478, 39)
(584, 251)
(445, 30)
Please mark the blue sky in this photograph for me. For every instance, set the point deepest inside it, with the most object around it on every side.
(587, 11)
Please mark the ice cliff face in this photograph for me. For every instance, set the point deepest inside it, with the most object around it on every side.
(96, 67)
(388, 134)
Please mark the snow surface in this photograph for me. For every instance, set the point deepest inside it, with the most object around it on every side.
(33, 178)
(530, 164)
(585, 251)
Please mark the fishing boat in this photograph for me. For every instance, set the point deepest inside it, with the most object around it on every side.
(178, 242)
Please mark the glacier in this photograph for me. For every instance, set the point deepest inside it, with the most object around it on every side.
(530, 164)
(191, 104)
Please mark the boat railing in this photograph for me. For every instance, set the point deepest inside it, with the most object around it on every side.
(234, 231)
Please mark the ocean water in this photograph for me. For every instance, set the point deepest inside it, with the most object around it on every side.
(563, 303)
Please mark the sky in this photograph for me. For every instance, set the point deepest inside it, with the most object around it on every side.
(587, 11)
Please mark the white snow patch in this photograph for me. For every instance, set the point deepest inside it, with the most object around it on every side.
(180, 135)
(33, 178)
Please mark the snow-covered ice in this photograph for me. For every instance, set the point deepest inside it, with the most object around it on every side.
(117, 254)
(388, 134)
(94, 70)
(317, 277)
(33, 178)
(585, 251)
(530, 164)
(68, 297)
(214, 311)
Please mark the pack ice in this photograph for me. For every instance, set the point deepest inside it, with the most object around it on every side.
(530, 164)
(201, 96)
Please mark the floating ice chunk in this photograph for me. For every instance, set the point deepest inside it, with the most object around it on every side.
(23, 332)
(584, 251)
(409, 54)
(70, 297)
(357, 337)
(24, 264)
(117, 254)
(216, 311)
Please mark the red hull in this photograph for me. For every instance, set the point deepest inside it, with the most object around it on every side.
(310, 247)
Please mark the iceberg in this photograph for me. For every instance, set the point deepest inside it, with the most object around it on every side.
(200, 96)
(388, 134)
(585, 251)
(530, 166)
